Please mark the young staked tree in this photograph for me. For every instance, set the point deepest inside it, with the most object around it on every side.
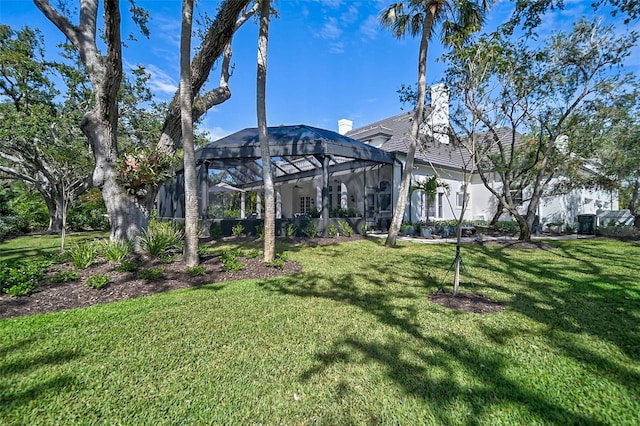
(457, 19)
(261, 101)
(129, 201)
(532, 105)
(190, 174)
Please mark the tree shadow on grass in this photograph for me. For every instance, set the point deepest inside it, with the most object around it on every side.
(433, 377)
(12, 393)
(378, 290)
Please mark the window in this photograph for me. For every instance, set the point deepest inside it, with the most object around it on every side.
(459, 199)
(440, 204)
(516, 196)
(305, 204)
(429, 206)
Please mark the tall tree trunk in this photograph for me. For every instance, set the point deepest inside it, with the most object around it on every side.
(269, 193)
(418, 115)
(190, 174)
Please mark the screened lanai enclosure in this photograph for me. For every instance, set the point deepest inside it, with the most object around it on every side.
(319, 175)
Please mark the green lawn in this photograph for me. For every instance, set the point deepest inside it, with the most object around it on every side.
(39, 245)
(352, 339)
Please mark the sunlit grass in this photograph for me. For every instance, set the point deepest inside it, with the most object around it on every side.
(352, 339)
(39, 245)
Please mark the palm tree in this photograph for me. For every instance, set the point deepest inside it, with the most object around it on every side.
(457, 19)
(430, 188)
(190, 175)
(267, 177)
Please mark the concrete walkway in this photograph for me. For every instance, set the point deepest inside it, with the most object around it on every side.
(475, 238)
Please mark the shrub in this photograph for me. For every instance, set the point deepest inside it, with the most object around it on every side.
(619, 231)
(275, 263)
(237, 230)
(116, 251)
(161, 237)
(8, 226)
(290, 229)
(65, 276)
(83, 255)
(230, 262)
(88, 212)
(197, 270)
(126, 267)
(98, 281)
(29, 209)
(20, 279)
(252, 254)
(151, 274)
(260, 231)
(333, 232)
(311, 230)
(507, 226)
(345, 228)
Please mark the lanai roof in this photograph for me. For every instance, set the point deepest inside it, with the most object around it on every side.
(291, 141)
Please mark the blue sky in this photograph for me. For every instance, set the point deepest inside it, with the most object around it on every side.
(328, 59)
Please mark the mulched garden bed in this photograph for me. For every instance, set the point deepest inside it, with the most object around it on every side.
(466, 302)
(52, 297)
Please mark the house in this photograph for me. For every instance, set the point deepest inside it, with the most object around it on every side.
(355, 173)
(449, 162)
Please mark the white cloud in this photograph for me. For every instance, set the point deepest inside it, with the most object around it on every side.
(160, 81)
(331, 3)
(214, 133)
(350, 16)
(330, 30)
(337, 47)
(370, 27)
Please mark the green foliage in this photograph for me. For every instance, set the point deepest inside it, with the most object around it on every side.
(83, 254)
(196, 271)
(98, 281)
(365, 229)
(150, 274)
(20, 279)
(30, 210)
(161, 237)
(115, 251)
(332, 230)
(619, 231)
(215, 230)
(126, 267)
(8, 226)
(252, 254)
(311, 231)
(260, 230)
(290, 229)
(345, 228)
(230, 262)
(88, 212)
(349, 212)
(231, 213)
(65, 276)
(507, 226)
(278, 262)
(237, 230)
